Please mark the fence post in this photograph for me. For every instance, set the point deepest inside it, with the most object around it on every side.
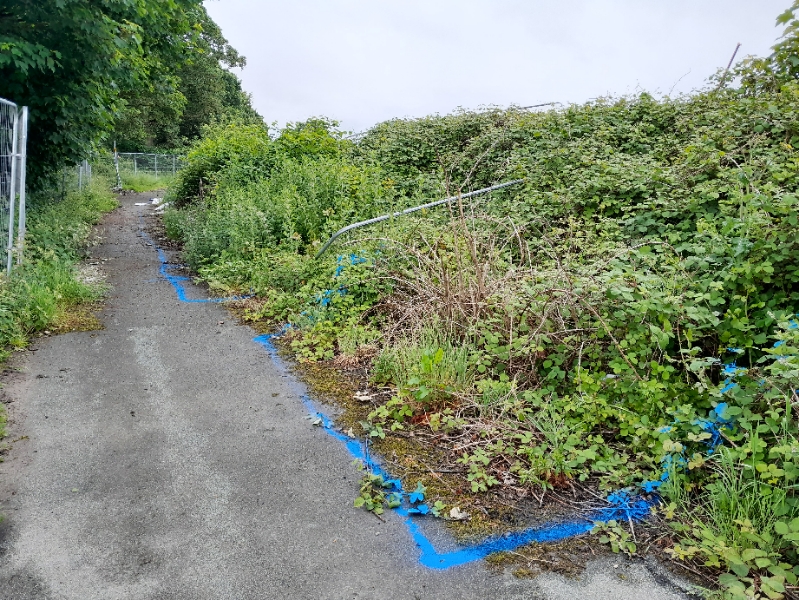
(13, 195)
(116, 166)
(23, 160)
(173, 165)
(135, 166)
(80, 176)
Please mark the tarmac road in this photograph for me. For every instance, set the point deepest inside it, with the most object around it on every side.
(166, 457)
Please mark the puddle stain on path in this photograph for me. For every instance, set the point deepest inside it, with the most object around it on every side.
(622, 506)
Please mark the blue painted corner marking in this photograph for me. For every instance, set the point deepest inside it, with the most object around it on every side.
(622, 505)
(177, 280)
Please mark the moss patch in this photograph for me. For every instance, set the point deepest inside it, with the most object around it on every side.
(566, 558)
(80, 317)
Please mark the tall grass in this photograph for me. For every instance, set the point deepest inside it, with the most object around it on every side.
(736, 498)
(428, 357)
(144, 181)
(47, 281)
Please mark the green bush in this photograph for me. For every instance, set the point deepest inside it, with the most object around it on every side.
(244, 149)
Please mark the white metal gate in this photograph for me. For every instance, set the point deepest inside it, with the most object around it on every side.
(13, 144)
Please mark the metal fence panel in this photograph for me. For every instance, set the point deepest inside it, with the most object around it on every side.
(13, 154)
(156, 164)
(8, 142)
(23, 166)
(13, 142)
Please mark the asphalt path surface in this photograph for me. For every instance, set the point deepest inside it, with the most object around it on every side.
(166, 457)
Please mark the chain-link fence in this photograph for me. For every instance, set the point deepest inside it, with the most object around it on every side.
(13, 144)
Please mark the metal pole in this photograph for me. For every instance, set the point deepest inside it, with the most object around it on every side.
(155, 156)
(80, 176)
(173, 165)
(13, 198)
(408, 211)
(135, 166)
(23, 160)
(116, 166)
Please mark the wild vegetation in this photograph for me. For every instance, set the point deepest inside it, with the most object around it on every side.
(46, 284)
(144, 181)
(47, 291)
(147, 73)
(626, 318)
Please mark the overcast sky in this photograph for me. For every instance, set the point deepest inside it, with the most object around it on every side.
(365, 61)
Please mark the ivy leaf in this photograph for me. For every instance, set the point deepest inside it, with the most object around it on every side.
(417, 495)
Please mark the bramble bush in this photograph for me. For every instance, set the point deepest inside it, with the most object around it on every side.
(623, 318)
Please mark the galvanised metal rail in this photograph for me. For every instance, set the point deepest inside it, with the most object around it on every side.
(408, 211)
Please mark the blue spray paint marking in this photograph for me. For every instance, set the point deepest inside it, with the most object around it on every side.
(715, 425)
(177, 280)
(342, 263)
(716, 422)
(622, 505)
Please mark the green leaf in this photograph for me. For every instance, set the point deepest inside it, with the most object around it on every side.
(740, 569)
(731, 581)
(751, 553)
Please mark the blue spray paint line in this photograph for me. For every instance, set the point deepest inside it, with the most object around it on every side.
(177, 281)
(731, 369)
(715, 425)
(622, 505)
(342, 262)
(716, 422)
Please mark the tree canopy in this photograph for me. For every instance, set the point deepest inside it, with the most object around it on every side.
(201, 90)
(149, 68)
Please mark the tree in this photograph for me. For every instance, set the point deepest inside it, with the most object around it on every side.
(202, 91)
(73, 61)
(782, 65)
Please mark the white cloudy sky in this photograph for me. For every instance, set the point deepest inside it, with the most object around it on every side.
(364, 61)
